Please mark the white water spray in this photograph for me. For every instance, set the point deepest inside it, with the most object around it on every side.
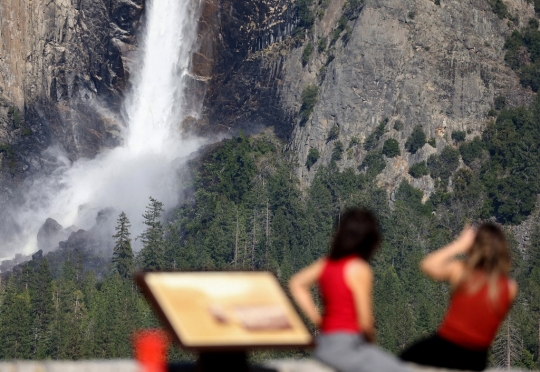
(123, 178)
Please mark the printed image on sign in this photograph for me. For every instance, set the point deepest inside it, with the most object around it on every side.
(213, 309)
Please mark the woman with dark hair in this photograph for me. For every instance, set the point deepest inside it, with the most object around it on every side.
(345, 282)
(482, 295)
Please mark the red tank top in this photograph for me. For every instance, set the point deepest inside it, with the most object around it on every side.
(339, 309)
(472, 319)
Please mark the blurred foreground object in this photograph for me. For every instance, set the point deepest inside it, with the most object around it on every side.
(221, 315)
(151, 350)
(283, 365)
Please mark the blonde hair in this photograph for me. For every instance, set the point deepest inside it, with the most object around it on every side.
(489, 255)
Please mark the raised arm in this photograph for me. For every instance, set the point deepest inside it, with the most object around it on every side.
(359, 278)
(441, 264)
(300, 285)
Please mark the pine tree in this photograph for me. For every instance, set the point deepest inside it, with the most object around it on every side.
(123, 254)
(42, 310)
(508, 346)
(152, 253)
(15, 318)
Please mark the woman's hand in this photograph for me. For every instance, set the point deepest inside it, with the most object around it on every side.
(441, 264)
(466, 238)
(300, 285)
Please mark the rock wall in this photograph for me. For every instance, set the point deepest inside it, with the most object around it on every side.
(438, 66)
(63, 68)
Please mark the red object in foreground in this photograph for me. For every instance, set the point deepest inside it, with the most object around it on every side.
(151, 349)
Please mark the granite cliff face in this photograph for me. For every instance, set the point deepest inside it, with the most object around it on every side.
(63, 69)
(416, 62)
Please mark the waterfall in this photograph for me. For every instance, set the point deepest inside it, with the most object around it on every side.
(153, 147)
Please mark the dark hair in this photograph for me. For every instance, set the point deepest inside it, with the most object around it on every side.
(357, 234)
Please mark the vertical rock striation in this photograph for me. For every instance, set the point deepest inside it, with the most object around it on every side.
(63, 68)
(436, 66)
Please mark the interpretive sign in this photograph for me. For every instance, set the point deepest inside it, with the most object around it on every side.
(225, 310)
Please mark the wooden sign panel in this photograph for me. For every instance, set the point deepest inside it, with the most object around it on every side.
(226, 310)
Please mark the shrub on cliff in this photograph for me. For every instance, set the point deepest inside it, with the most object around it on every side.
(442, 166)
(391, 148)
(307, 53)
(337, 152)
(373, 164)
(305, 14)
(471, 151)
(499, 7)
(458, 136)
(416, 140)
(309, 99)
(419, 169)
(333, 134)
(373, 139)
(321, 47)
(313, 156)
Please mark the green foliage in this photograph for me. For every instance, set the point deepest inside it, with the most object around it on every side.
(411, 14)
(523, 56)
(5, 148)
(272, 225)
(309, 99)
(412, 198)
(533, 23)
(442, 166)
(416, 140)
(308, 50)
(321, 46)
(499, 103)
(152, 254)
(459, 136)
(312, 157)
(341, 26)
(391, 148)
(373, 164)
(373, 139)
(15, 114)
(499, 7)
(513, 46)
(437, 2)
(333, 134)
(511, 175)
(355, 141)
(432, 142)
(419, 169)
(398, 125)
(470, 151)
(337, 151)
(122, 252)
(305, 13)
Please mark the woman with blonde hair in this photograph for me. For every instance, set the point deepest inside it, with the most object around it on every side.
(345, 282)
(482, 295)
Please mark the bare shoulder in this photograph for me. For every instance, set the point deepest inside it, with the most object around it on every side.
(512, 289)
(358, 269)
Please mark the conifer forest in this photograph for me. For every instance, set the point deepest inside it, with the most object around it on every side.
(245, 210)
(263, 121)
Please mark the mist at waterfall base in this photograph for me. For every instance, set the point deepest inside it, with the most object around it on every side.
(123, 178)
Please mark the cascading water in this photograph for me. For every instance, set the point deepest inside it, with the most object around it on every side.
(123, 178)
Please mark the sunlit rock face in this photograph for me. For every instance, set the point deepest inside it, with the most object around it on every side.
(63, 69)
(437, 66)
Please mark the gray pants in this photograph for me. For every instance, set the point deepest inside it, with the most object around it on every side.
(351, 353)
